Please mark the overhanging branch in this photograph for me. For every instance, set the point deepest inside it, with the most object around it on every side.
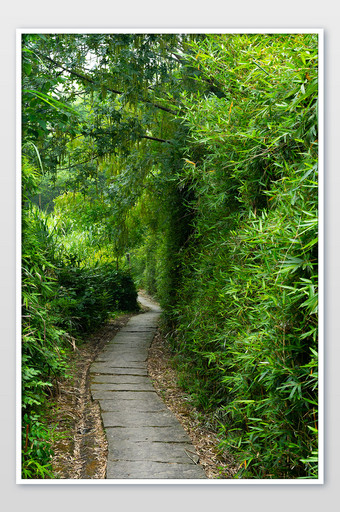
(156, 139)
(108, 153)
(89, 80)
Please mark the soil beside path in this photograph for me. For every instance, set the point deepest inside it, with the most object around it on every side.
(80, 447)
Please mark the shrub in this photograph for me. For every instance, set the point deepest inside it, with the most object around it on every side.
(88, 295)
(245, 309)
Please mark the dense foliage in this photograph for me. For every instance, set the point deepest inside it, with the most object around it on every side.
(247, 308)
(191, 163)
(61, 300)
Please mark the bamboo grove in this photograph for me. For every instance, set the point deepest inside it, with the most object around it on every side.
(187, 165)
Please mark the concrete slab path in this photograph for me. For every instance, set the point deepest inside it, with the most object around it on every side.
(145, 440)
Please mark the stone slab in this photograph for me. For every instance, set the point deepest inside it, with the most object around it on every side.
(131, 396)
(153, 470)
(129, 341)
(110, 395)
(152, 451)
(135, 434)
(146, 322)
(118, 371)
(146, 325)
(145, 405)
(133, 418)
(124, 351)
(133, 336)
(119, 379)
(124, 386)
(123, 360)
(109, 367)
(141, 323)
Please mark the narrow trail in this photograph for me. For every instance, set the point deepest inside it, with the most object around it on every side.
(145, 440)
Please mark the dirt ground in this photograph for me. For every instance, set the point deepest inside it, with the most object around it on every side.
(80, 448)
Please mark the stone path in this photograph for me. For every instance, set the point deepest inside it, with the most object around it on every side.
(145, 440)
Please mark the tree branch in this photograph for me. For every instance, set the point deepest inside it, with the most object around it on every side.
(149, 137)
(89, 80)
(97, 156)
(155, 138)
(80, 163)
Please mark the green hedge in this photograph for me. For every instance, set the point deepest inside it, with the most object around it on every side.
(88, 295)
(244, 312)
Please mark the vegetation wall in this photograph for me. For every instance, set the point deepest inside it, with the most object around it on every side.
(196, 156)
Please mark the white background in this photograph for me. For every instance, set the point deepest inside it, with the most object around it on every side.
(214, 14)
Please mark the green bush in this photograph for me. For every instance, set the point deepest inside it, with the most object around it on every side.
(245, 310)
(88, 295)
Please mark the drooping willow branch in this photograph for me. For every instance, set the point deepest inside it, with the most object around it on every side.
(99, 156)
(89, 80)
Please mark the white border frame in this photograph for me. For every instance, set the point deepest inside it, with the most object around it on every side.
(320, 479)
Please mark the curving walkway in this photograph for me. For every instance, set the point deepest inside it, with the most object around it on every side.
(145, 440)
